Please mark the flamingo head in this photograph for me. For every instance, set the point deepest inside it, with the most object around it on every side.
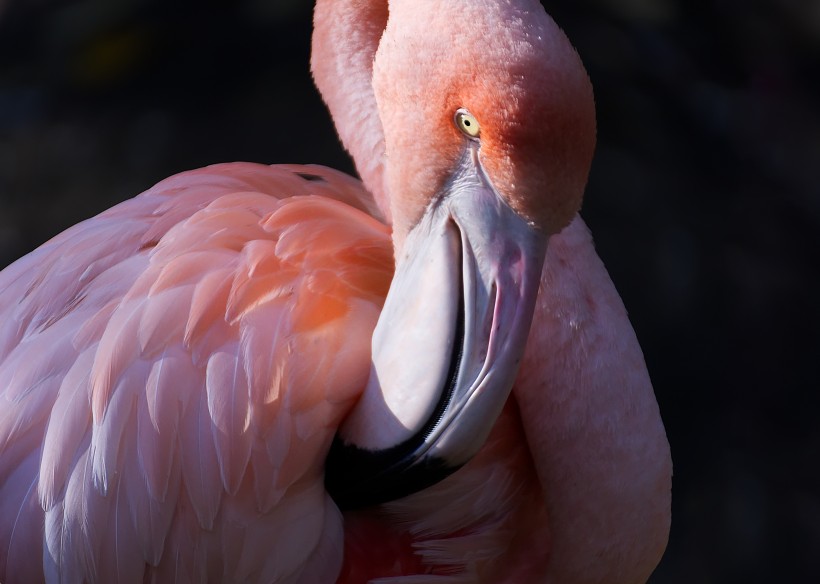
(494, 85)
(489, 128)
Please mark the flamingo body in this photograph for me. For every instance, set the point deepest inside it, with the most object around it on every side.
(278, 374)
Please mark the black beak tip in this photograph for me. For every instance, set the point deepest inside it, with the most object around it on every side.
(357, 478)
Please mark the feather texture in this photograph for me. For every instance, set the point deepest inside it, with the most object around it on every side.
(184, 341)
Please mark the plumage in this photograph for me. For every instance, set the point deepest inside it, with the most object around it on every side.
(170, 376)
(181, 375)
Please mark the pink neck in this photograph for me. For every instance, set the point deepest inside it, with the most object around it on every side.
(346, 34)
(592, 423)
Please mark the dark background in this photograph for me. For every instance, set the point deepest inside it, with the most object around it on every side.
(704, 199)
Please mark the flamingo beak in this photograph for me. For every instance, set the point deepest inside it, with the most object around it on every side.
(447, 345)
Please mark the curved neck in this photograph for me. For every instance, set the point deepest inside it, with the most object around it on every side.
(592, 423)
(346, 34)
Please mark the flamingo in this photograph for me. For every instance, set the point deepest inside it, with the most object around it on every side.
(279, 374)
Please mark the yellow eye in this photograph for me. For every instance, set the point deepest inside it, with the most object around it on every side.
(466, 122)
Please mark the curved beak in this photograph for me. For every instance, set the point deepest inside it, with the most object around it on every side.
(446, 347)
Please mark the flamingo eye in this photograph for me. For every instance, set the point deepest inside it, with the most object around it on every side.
(466, 122)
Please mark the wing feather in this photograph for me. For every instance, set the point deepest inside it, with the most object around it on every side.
(118, 349)
(121, 557)
(264, 348)
(77, 526)
(171, 375)
(23, 516)
(172, 384)
(151, 515)
(157, 329)
(266, 488)
(114, 428)
(200, 466)
(154, 435)
(228, 403)
(68, 425)
(207, 305)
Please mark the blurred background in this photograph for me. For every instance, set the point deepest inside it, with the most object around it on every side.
(704, 199)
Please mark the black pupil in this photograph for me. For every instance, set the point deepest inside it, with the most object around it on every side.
(467, 123)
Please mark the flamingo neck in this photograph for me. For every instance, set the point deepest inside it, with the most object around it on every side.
(592, 423)
(346, 34)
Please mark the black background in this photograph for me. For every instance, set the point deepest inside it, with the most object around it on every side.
(704, 200)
